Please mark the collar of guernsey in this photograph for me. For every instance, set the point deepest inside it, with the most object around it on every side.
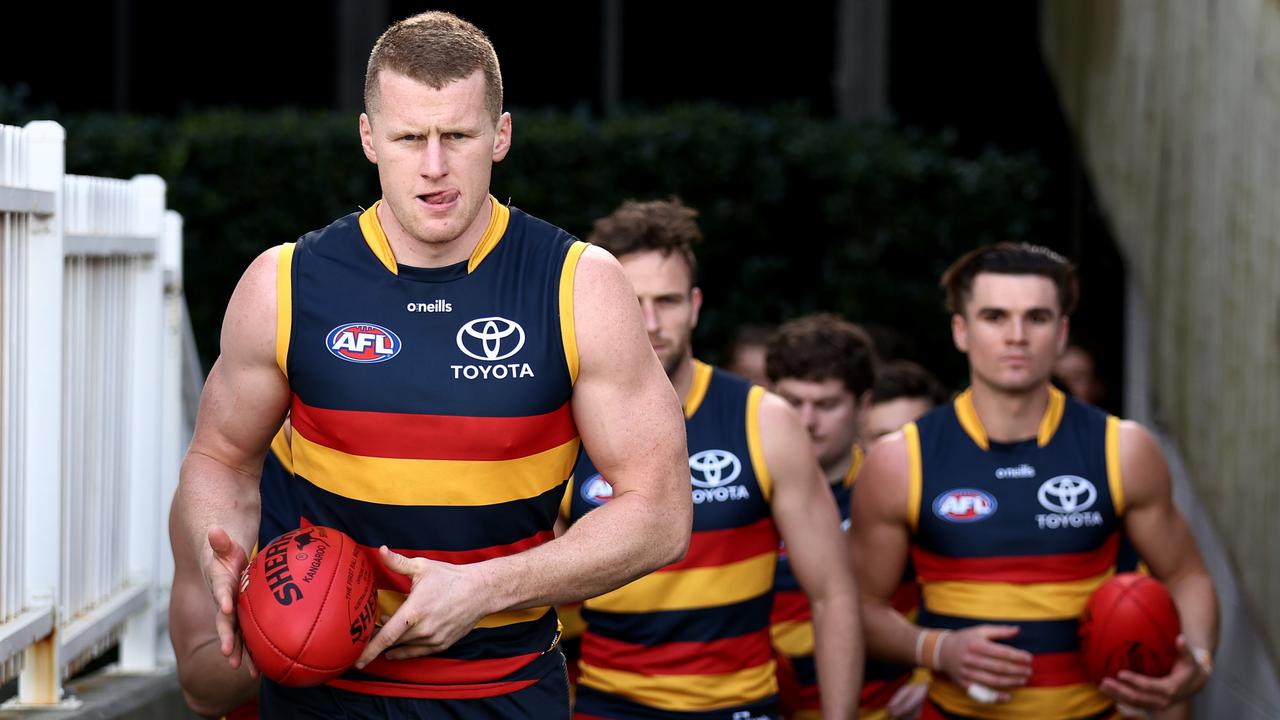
(377, 238)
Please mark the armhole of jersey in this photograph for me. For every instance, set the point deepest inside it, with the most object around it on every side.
(284, 305)
(566, 502)
(568, 335)
(280, 448)
(1114, 478)
(754, 397)
(915, 475)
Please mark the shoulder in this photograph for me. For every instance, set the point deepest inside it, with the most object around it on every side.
(1144, 472)
(882, 483)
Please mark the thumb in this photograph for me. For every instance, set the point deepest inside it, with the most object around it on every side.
(221, 542)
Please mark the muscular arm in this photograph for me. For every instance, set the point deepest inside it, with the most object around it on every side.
(209, 685)
(809, 523)
(630, 422)
(1164, 541)
(243, 404)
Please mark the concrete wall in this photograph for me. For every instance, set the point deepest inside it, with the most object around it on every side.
(1175, 107)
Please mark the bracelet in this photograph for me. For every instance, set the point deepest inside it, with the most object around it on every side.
(937, 650)
(1203, 658)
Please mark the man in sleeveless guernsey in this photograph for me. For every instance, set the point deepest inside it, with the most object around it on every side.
(691, 641)
(1011, 502)
(441, 357)
(824, 367)
(903, 391)
(210, 686)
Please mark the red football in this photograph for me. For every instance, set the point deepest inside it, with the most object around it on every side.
(1129, 623)
(306, 606)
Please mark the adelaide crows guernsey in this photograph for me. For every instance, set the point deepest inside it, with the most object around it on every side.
(691, 640)
(1016, 533)
(431, 414)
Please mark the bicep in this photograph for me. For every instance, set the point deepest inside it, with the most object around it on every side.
(879, 538)
(1152, 522)
(802, 504)
(625, 408)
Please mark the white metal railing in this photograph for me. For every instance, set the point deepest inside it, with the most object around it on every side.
(91, 422)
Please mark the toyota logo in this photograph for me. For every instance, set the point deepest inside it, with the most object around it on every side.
(714, 468)
(491, 338)
(1067, 494)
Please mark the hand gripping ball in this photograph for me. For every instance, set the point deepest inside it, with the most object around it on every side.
(307, 606)
(1129, 623)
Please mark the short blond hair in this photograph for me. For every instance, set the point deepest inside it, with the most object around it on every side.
(435, 48)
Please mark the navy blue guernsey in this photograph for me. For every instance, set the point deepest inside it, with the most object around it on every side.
(431, 414)
(692, 638)
(1016, 533)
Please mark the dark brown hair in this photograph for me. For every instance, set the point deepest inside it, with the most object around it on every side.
(905, 379)
(1010, 259)
(666, 226)
(822, 347)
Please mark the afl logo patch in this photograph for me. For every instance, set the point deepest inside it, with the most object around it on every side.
(964, 505)
(362, 343)
(490, 338)
(596, 491)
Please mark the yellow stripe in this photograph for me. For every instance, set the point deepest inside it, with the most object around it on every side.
(685, 693)
(376, 239)
(499, 215)
(395, 481)
(915, 474)
(280, 447)
(968, 416)
(874, 714)
(854, 466)
(697, 388)
(389, 601)
(754, 447)
(1115, 479)
(568, 334)
(693, 588)
(571, 623)
(284, 305)
(1052, 416)
(1043, 703)
(793, 639)
(1012, 601)
(567, 498)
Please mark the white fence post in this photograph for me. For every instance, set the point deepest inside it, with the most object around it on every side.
(41, 421)
(145, 535)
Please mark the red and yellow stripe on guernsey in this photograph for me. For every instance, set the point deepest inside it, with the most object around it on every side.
(721, 568)
(1020, 588)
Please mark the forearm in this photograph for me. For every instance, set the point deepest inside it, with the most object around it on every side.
(839, 653)
(616, 543)
(890, 637)
(210, 686)
(1197, 604)
(212, 495)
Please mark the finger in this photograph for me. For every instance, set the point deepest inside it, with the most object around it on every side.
(1130, 695)
(1012, 668)
(998, 632)
(253, 669)
(221, 542)
(405, 652)
(1146, 683)
(1002, 653)
(225, 625)
(992, 681)
(389, 634)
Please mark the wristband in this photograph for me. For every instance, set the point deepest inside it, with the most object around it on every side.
(1203, 658)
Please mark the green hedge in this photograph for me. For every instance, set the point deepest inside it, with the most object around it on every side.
(800, 213)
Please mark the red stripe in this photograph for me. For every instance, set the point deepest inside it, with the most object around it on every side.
(679, 658)
(1017, 568)
(1056, 670)
(906, 597)
(713, 548)
(387, 580)
(433, 437)
(442, 692)
(877, 693)
(444, 671)
(790, 606)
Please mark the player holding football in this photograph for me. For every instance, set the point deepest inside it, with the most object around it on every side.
(1011, 502)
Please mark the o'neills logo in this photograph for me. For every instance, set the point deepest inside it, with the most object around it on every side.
(491, 340)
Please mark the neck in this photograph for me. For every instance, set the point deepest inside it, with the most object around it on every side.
(1010, 416)
(411, 251)
(837, 471)
(682, 378)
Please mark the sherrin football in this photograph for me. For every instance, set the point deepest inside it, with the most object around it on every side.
(1129, 623)
(306, 606)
